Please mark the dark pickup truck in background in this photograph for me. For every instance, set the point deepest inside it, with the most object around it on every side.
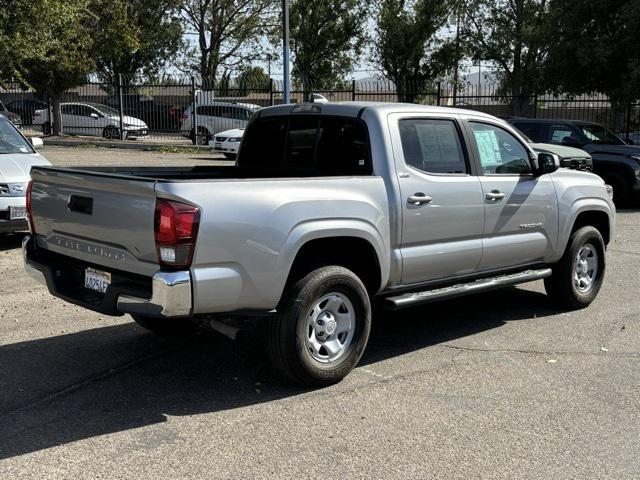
(614, 160)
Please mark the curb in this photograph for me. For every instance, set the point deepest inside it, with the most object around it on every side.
(126, 146)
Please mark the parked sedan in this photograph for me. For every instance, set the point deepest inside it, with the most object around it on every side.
(13, 117)
(95, 119)
(227, 142)
(17, 156)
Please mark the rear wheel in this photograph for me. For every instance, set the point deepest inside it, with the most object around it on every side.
(165, 326)
(578, 276)
(322, 327)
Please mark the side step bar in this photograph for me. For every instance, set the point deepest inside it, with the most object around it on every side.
(453, 291)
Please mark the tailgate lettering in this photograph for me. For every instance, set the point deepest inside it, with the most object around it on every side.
(89, 248)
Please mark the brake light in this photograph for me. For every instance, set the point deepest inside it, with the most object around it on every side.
(32, 227)
(176, 228)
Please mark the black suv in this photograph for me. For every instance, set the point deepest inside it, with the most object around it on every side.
(615, 161)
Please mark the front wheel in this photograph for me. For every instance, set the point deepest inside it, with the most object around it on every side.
(578, 276)
(322, 327)
(111, 133)
(165, 326)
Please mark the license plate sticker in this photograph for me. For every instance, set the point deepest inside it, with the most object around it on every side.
(17, 213)
(96, 280)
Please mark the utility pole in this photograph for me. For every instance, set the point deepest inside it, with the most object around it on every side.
(285, 52)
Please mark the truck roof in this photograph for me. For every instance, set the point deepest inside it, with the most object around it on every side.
(354, 109)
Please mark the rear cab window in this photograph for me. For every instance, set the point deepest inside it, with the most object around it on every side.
(307, 145)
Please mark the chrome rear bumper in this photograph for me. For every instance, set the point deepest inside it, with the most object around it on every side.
(170, 291)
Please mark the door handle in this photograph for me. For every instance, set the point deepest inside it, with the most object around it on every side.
(495, 195)
(419, 199)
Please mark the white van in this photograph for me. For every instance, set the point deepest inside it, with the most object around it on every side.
(215, 117)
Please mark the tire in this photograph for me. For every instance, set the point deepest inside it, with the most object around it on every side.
(620, 189)
(310, 317)
(230, 156)
(203, 136)
(110, 132)
(566, 286)
(165, 326)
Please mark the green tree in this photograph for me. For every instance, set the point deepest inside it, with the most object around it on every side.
(407, 45)
(64, 55)
(514, 35)
(326, 36)
(228, 32)
(253, 78)
(136, 37)
(595, 47)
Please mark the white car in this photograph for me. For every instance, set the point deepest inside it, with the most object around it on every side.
(95, 119)
(215, 117)
(227, 142)
(17, 156)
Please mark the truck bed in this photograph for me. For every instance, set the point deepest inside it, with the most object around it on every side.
(195, 173)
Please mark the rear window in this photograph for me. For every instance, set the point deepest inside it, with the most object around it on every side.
(307, 145)
(534, 131)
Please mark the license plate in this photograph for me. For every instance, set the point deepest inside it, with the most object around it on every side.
(17, 213)
(217, 145)
(96, 280)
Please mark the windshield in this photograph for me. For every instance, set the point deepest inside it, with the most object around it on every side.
(601, 136)
(10, 140)
(105, 110)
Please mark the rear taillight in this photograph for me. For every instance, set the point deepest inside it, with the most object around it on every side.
(32, 227)
(176, 228)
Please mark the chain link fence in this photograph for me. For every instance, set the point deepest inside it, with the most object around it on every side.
(182, 110)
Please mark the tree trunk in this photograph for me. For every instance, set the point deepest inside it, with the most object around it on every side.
(58, 128)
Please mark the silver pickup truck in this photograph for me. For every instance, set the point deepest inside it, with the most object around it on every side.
(328, 207)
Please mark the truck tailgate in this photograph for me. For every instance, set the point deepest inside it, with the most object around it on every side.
(95, 217)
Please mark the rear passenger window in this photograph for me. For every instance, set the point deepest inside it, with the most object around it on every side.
(432, 146)
(558, 133)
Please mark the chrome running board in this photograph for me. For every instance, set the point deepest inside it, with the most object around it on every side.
(481, 285)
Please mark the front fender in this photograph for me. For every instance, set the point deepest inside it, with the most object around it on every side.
(569, 214)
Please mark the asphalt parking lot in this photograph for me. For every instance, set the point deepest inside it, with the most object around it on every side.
(499, 385)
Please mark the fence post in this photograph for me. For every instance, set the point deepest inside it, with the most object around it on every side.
(194, 114)
(627, 121)
(271, 92)
(49, 128)
(535, 105)
(120, 106)
(438, 92)
(353, 90)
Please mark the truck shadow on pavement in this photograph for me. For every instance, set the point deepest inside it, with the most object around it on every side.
(71, 387)
(11, 241)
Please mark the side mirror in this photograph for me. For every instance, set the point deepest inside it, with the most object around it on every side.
(36, 142)
(548, 163)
